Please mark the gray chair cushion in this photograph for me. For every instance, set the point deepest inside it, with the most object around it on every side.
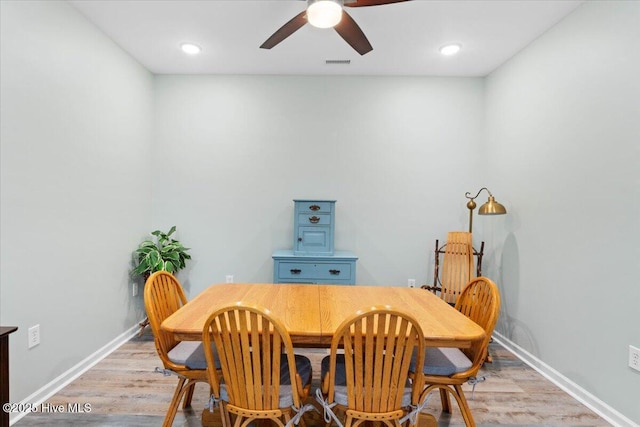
(443, 361)
(286, 395)
(191, 354)
(341, 375)
(340, 388)
(303, 367)
(340, 396)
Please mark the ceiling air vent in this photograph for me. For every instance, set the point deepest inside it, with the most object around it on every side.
(337, 61)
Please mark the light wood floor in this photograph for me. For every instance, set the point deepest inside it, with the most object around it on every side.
(123, 390)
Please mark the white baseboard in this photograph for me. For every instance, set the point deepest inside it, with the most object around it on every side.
(45, 392)
(581, 395)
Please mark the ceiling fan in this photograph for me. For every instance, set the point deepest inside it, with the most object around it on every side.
(327, 14)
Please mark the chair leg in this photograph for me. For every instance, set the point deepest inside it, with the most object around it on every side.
(224, 415)
(446, 401)
(464, 406)
(175, 401)
(242, 421)
(191, 386)
(286, 415)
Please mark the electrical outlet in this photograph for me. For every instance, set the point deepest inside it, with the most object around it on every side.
(34, 336)
(411, 283)
(634, 358)
(229, 278)
(134, 290)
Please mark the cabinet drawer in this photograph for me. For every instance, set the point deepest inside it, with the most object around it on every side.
(316, 271)
(306, 219)
(317, 282)
(314, 206)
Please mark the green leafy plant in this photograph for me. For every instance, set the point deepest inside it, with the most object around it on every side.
(165, 253)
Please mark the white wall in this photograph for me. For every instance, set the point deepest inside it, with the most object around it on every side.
(76, 192)
(397, 154)
(563, 120)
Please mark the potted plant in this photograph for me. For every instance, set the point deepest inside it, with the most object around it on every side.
(165, 253)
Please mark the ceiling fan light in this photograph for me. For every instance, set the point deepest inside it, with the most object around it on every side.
(450, 49)
(324, 13)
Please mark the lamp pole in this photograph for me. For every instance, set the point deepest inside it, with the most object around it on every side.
(471, 205)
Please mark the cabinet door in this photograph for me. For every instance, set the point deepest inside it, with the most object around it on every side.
(314, 240)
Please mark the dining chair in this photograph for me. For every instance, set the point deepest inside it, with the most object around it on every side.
(369, 380)
(446, 369)
(163, 296)
(454, 265)
(262, 378)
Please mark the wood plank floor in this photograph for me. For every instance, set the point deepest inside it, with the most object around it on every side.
(123, 390)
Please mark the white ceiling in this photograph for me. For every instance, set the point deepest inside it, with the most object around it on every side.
(405, 36)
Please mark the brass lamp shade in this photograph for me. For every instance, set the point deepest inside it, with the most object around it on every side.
(492, 208)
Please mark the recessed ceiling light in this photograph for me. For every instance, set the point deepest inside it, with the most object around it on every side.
(190, 48)
(450, 49)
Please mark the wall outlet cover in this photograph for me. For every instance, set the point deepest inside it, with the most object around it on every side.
(34, 336)
(634, 358)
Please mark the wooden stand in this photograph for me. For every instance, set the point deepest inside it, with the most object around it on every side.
(211, 419)
(426, 420)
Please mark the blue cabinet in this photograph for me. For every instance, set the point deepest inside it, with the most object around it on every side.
(313, 226)
(313, 258)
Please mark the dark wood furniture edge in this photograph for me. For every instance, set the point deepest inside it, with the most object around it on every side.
(5, 331)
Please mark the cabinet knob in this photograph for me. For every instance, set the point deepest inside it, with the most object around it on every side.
(314, 207)
(299, 239)
(334, 272)
(314, 219)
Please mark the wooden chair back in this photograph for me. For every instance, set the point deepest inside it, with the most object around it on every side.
(250, 345)
(457, 265)
(163, 296)
(480, 302)
(378, 346)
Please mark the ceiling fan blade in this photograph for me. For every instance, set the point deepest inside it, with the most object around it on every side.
(352, 34)
(286, 30)
(360, 3)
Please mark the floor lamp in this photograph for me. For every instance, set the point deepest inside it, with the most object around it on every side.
(490, 208)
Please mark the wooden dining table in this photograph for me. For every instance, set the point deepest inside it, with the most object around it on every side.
(311, 313)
